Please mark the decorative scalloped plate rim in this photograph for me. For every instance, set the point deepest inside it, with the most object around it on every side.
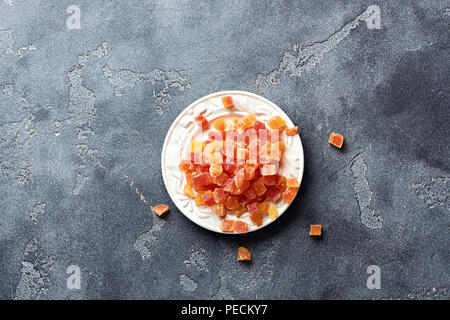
(186, 205)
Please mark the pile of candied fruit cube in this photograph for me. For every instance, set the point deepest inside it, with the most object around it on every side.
(236, 169)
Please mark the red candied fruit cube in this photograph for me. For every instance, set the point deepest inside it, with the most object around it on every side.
(239, 178)
(253, 207)
(201, 180)
(160, 209)
(208, 198)
(269, 180)
(250, 193)
(201, 121)
(259, 125)
(273, 194)
(240, 226)
(219, 195)
(220, 180)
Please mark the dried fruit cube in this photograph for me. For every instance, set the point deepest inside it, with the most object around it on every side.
(273, 212)
(201, 121)
(263, 207)
(289, 194)
(268, 170)
(250, 193)
(241, 189)
(232, 203)
(249, 121)
(273, 194)
(188, 191)
(292, 182)
(239, 211)
(240, 226)
(220, 180)
(227, 101)
(219, 195)
(336, 139)
(219, 210)
(256, 218)
(160, 209)
(243, 254)
(215, 170)
(219, 124)
(239, 178)
(197, 146)
(276, 122)
(292, 131)
(186, 166)
(315, 230)
(259, 188)
(249, 171)
(208, 198)
(198, 198)
(227, 225)
(259, 125)
(253, 207)
(200, 180)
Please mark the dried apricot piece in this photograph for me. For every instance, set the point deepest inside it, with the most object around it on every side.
(289, 194)
(219, 124)
(227, 225)
(160, 209)
(292, 182)
(219, 210)
(243, 254)
(315, 230)
(253, 207)
(273, 212)
(201, 121)
(276, 122)
(240, 226)
(188, 191)
(336, 139)
(227, 101)
(239, 211)
(292, 131)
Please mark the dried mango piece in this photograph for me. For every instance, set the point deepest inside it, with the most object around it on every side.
(289, 194)
(336, 139)
(243, 254)
(160, 209)
(240, 226)
(292, 131)
(227, 101)
(197, 146)
(273, 212)
(201, 121)
(232, 203)
(315, 230)
(292, 182)
(219, 210)
(188, 191)
(276, 122)
(259, 188)
(227, 225)
(219, 124)
(198, 198)
(268, 170)
(256, 219)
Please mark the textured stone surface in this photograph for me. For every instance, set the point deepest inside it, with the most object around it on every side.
(84, 113)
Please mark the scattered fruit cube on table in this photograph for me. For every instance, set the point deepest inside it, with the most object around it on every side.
(315, 230)
(243, 254)
(160, 209)
(336, 139)
(227, 101)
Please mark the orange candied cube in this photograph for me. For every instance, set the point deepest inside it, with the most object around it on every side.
(199, 199)
(256, 219)
(186, 165)
(227, 225)
(160, 209)
(243, 254)
(315, 230)
(263, 207)
(292, 131)
(215, 170)
(208, 198)
(201, 121)
(249, 121)
(219, 210)
(240, 226)
(259, 188)
(219, 195)
(188, 191)
(227, 101)
(292, 182)
(219, 124)
(197, 146)
(289, 195)
(239, 211)
(273, 213)
(336, 139)
(276, 122)
(268, 170)
(232, 203)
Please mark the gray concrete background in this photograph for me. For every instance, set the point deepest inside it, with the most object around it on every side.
(84, 113)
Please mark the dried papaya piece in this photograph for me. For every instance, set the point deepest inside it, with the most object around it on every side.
(198, 198)
(227, 225)
(240, 226)
(197, 146)
(263, 207)
(243, 254)
(289, 194)
(160, 209)
(336, 139)
(256, 219)
(215, 170)
(227, 101)
(292, 131)
(239, 211)
(259, 188)
(273, 212)
(188, 191)
(315, 230)
(268, 170)
(219, 124)
(232, 203)
(292, 182)
(249, 121)
(201, 121)
(219, 195)
(219, 210)
(276, 122)
(208, 198)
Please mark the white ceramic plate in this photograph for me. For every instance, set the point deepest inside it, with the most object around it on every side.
(184, 129)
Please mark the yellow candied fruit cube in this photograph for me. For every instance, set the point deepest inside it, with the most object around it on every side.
(219, 124)
(273, 212)
(276, 122)
(197, 146)
(198, 198)
(188, 191)
(249, 121)
(215, 169)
